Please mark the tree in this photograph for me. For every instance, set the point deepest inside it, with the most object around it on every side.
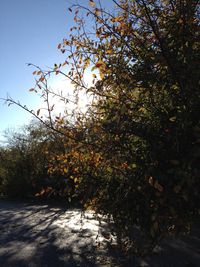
(25, 163)
(135, 152)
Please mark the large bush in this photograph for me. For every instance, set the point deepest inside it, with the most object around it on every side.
(25, 163)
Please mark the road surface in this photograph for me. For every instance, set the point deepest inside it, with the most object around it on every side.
(43, 235)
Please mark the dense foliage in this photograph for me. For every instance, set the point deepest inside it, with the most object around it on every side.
(134, 154)
(25, 164)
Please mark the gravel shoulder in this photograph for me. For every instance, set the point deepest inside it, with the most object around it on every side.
(44, 235)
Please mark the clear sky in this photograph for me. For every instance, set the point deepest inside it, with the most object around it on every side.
(30, 32)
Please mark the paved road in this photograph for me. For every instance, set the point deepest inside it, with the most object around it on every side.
(42, 235)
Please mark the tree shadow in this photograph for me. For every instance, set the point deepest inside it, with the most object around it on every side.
(47, 235)
(39, 235)
(182, 251)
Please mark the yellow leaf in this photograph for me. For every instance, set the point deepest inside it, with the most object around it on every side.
(158, 186)
(151, 181)
(180, 21)
(65, 170)
(98, 32)
(87, 63)
(92, 3)
(142, 109)
(119, 19)
(97, 12)
(172, 119)
(102, 74)
(109, 51)
(66, 42)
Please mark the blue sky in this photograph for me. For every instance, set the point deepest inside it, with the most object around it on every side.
(30, 32)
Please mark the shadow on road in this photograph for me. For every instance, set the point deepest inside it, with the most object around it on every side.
(43, 235)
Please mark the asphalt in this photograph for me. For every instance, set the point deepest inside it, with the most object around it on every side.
(46, 235)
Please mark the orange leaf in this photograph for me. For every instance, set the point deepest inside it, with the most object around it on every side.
(65, 63)
(99, 64)
(41, 79)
